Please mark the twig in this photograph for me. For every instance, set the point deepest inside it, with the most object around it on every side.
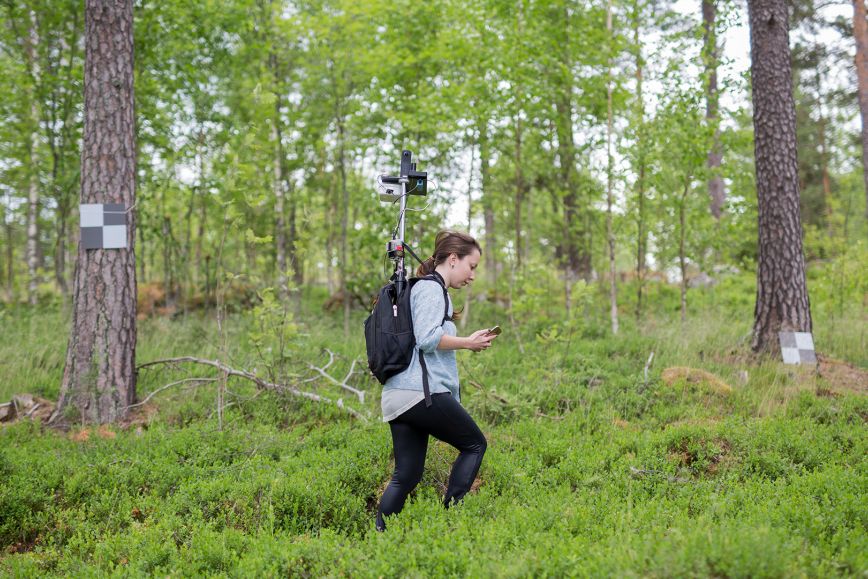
(265, 385)
(158, 390)
(343, 384)
(647, 366)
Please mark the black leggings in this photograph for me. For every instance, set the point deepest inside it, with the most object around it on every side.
(446, 420)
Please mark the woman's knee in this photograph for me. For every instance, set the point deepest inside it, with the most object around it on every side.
(479, 445)
(407, 478)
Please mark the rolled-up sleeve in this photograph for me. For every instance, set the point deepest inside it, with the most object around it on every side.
(427, 304)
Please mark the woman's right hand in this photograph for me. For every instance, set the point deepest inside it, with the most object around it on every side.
(479, 340)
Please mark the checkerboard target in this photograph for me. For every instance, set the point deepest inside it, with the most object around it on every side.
(103, 225)
(797, 348)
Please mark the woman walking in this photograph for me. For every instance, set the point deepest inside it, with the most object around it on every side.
(411, 420)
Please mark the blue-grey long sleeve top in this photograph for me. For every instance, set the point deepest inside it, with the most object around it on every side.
(426, 303)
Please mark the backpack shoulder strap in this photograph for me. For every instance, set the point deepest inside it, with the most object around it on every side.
(432, 277)
(436, 277)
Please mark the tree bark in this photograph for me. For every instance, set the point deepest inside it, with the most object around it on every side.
(782, 302)
(860, 33)
(716, 188)
(99, 379)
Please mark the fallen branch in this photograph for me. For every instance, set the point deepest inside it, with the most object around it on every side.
(160, 389)
(343, 383)
(263, 384)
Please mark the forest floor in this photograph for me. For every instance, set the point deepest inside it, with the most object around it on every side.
(706, 462)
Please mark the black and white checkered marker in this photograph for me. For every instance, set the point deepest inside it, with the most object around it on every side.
(797, 348)
(103, 225)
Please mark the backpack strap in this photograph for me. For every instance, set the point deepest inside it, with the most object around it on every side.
(439, 279)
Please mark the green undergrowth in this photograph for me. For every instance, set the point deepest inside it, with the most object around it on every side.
(599, 463)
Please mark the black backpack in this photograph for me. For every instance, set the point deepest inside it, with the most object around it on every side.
(389, 336)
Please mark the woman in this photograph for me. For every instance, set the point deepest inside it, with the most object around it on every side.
(456, 256)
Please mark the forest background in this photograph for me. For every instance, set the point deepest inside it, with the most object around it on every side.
(601, 153)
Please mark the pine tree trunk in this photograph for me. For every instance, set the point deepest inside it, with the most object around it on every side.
(716, 189)
(782, 295)
(99, 379)
(860, 33)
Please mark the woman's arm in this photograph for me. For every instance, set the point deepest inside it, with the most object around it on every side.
(477, 341)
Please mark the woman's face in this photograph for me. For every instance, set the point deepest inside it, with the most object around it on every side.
(464, 271)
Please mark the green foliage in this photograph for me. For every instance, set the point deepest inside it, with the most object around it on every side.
(592, 467)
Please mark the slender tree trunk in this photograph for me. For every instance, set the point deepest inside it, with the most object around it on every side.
(822, 123)
(279, 201)
(10, 258)
(345, 207)
(610, 233)
(576, 230)
(782, 302)
(520, 187)
(860, 33)
(99, 379)
(203, 212)
(465, 315)
(519, 191)
(31, 45)
(642, 236)
(716, 187)
(490, 252)
(682, 258)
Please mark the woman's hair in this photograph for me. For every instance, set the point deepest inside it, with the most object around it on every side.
(445, 244)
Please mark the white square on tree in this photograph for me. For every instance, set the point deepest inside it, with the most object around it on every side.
(91, 214)
(797, 348)
(114, 236)
(804, 341)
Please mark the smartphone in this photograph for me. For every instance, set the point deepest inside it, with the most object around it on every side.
(495, 330)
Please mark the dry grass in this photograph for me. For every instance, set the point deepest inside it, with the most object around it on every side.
(696, 376)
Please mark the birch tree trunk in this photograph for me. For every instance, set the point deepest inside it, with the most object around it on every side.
(610, 234)
(99, 379)
(31, 45)
(782, 295)
(642, 236)
(860, 33)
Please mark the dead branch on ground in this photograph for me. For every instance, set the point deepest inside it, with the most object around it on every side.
(260, 383)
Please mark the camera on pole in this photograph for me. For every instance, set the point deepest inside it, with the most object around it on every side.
(392, 188)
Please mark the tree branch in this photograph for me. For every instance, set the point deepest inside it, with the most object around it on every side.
(158, 390)
(343, 384)
(263, 384)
